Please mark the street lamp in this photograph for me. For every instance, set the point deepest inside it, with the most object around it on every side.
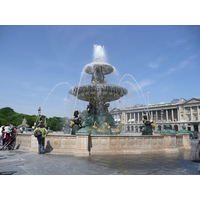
(39, 111)
(39, 115)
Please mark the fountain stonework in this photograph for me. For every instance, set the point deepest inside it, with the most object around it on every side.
(98, 133)
(98, 120)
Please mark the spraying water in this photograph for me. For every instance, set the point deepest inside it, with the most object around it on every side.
(99, 53)
(82, 73)
(136, 89)
(61, 83)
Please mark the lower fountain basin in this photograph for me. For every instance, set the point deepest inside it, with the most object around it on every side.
(98, 92)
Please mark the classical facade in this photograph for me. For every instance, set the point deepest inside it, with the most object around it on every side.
(176, 114)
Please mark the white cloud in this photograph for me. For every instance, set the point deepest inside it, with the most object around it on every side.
(157, 63)
(183, 64)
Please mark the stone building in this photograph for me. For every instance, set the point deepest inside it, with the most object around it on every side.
(175, 114)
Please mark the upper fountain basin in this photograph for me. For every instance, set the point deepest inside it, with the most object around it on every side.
(98, 92)
(105, 68)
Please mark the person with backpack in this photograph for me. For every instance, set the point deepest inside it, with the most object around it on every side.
(41, 132)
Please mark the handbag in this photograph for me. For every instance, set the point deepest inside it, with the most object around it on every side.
(195, 154)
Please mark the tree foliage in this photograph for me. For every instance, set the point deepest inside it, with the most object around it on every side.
(9, 116)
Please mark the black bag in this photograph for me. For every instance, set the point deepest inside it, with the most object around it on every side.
(195, 154)
(37, 133)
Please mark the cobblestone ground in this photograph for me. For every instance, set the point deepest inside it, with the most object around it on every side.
(19, 162)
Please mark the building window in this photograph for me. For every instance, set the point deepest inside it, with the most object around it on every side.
(195, 117)
(194, 108)
(189, 117)
(187, 109)
(132, 129)
(176, 127)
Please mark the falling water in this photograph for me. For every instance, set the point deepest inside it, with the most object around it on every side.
(82, 73)
(61, 83)
(136, 89)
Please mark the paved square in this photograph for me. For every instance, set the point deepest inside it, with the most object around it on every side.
(19, 162)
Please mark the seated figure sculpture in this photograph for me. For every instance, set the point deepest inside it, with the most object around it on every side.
(75, 123)
(147, 128)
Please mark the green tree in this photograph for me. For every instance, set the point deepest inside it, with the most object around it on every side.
(7, 111)
(55, 123)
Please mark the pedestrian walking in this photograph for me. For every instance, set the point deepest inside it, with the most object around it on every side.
(41, 139)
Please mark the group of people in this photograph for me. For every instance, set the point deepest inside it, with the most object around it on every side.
(6, 132)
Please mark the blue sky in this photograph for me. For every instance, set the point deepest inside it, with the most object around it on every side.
(39, 64)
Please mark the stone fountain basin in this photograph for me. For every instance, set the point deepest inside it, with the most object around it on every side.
(98, 92)
(105, 68)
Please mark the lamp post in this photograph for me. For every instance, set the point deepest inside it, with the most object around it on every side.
(39, 111)
(39, 115)
(162, 128)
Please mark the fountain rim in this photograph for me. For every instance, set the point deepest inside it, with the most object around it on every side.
(98, 86)
(84, 94)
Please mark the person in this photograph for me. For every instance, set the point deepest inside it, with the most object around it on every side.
(41, 139)
(199, 153)
(6, 133)
(1, 135)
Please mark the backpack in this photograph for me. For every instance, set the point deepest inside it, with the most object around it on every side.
(37, 133)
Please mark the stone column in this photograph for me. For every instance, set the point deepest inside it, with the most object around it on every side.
(167, 115)
(172, 114)
(191, 113)
(151, 115)
(156, 115)
(82, 144)
(134, 117)
(126, 118)
(178, 114)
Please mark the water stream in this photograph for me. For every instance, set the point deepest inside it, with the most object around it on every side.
(58, 84)
(141, 93)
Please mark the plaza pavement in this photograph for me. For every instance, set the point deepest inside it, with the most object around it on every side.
(18, 162)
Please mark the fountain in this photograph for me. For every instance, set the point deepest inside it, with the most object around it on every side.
(98, 120)
(95, 131)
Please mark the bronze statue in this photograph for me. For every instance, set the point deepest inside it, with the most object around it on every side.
(75, 123)
(148, 127)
